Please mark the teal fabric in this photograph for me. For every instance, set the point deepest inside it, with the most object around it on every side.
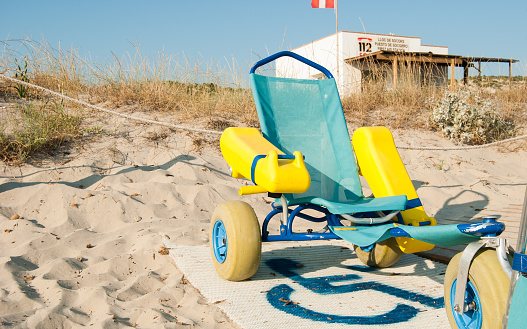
(364, 235)
(306, 116)
(439, 235)
(517, 314)
(360, 205)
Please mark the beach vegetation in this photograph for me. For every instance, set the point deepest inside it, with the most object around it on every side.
(216, 95)
(30, 129)
(467, 117)
(21, 74)
(408, 104)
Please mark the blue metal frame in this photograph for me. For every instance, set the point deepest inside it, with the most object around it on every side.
(286, 230)
(486, 228)
(295, 56)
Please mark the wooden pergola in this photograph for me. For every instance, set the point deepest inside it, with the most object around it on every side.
(453, 61)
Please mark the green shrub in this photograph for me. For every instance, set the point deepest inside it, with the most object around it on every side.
(466, 117)
(22, 75)
(37, 129)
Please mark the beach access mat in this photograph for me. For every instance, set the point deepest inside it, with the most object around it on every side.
(321, 284)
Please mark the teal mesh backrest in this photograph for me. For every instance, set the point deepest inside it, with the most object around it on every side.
(307, 116)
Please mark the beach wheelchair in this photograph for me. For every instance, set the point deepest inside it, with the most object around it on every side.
(305, 160)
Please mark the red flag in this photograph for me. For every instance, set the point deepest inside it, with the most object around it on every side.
(323, 3)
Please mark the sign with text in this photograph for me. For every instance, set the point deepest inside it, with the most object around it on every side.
(376, 43)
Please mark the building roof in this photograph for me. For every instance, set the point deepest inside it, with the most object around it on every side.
(425, 57)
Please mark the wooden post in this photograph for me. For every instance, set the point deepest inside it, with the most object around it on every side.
(510, 74)
(479, 70)
(452, 69)
(395, 73)
(465, 73)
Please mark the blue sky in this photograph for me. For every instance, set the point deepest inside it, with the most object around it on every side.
(248, 30)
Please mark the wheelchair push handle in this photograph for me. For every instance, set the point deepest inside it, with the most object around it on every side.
(295, 56)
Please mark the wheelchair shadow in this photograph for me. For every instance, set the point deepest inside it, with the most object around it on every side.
(457, 211)
(291, 262)
(91, 180)
(453, 208)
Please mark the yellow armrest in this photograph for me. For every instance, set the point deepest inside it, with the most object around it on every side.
(241, 146)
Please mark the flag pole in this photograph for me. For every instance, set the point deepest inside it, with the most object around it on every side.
(337, 34)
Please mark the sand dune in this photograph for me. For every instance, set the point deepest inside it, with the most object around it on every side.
(81, 233)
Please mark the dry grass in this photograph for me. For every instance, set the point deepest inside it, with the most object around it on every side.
(28, 129)
(188, 88)
(406, 107)
(403, 106)
(215, 94)
(409, 105)
(512, 101)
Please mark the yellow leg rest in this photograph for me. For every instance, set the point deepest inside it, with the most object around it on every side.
(382, 167)
(410, 246)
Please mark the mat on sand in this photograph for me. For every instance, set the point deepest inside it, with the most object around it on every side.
(321, 284)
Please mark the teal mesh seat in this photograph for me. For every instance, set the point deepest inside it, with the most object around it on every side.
(306, 116)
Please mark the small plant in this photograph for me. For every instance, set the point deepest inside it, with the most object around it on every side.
(37, 129)
(439, 165)
(466, 117)
(22, 75)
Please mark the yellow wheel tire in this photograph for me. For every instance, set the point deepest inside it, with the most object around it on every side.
(384, 254)
(488, 287)
(235, 241)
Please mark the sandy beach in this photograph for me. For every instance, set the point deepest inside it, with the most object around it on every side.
(81, 231)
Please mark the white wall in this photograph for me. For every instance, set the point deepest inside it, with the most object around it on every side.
(351, 44)
(322, 52)
(357, 44)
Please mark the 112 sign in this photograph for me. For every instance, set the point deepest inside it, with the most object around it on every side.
(364, 46)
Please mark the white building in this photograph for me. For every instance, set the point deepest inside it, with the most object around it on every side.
(360, 53)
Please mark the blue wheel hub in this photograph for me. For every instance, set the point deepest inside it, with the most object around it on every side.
(473, 318)
(219, 241)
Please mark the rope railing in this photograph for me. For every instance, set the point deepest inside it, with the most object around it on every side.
(457, 148)
(98, 108)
